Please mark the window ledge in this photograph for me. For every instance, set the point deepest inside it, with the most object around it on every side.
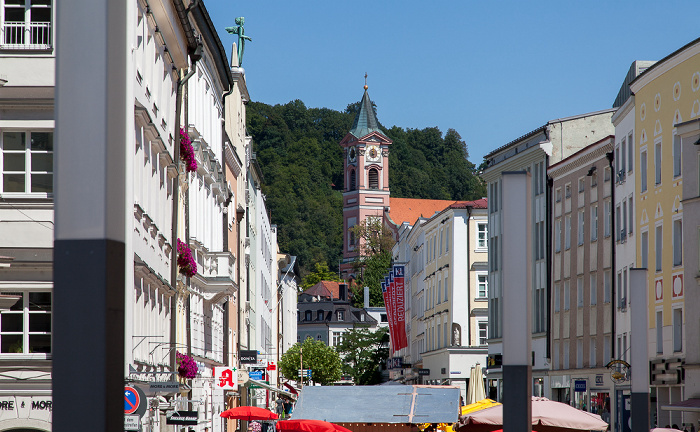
(481, 250)
(481, 299)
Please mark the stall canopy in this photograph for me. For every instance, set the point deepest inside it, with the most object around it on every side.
(407, 404)
(688, 405)
(271, 388)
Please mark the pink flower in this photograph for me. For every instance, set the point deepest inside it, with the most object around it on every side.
(187, 367)
(187, 264)
(187, 151)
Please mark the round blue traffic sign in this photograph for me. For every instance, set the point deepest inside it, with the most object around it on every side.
(132, 400)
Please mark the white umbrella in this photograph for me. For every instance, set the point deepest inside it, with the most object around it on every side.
(475, 391)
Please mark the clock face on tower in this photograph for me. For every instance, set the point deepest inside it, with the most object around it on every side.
(352, 155)
(373, 153)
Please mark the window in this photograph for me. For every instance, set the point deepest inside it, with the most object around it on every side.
(643, 175)
(617, 162)
(594, 223)
(540, 242)
(439, 336)
(594, 289)
(482, 235)
(579, 353)
(353, 180)
(440, 245)
(558, 195)
(581, 185)
(483, 332)
(607, 281)
(676, 156)
(677, 330)
(27, 24)
(567, 188)
(341, 315)
(630, 223)
(608, 217)
(373, 178)
(645, 250)
(594, 179)
(623, 148)
(307, 316)
(581, 226)
(677, 242)
(482, 286)
(337, 338)
(567, 295)
(557, 235)
(439, 292)
(555, 351)
(630, 151)
(657, 163)
(659, 333)
(318, 337)
(593, 361)
(447, 239)
(606, 349)
(557, 297)
(606, 174)
(25, 328)
(446, 289)
(383, 318)
(319, 315)
(567, 232)
(27, 162)
(566, 355)
(539, 178)
(658, 242)
(446, 334)
(579, 292)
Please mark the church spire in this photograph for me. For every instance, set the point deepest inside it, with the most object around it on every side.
(366, 121)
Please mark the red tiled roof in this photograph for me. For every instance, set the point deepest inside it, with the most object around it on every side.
(410, 209)
(328, 289)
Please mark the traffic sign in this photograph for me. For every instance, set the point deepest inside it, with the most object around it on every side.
(132, 400)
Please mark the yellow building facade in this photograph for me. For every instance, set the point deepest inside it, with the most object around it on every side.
(666, 94)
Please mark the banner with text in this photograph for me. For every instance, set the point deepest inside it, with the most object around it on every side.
(390, 317)
(400, 305)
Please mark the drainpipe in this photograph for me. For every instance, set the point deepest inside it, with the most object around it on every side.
(611, 157)
(548, 257)
(174, 221)
(469, 281)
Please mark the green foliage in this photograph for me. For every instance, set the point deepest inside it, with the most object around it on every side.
(321, 273)
(363, 352)
(302, 163)
(375, 243)
(323, 361)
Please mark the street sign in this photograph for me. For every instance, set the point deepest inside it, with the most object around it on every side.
(248, 356)
(256, 375)
(132, 423)
(580, 385)
(181, 418)
(226, 377)
(164, 386)
(132, 400)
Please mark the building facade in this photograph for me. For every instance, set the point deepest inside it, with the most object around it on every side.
(533, 152)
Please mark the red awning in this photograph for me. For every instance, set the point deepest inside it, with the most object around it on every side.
(688, 405)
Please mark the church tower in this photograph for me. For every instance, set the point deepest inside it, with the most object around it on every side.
(366, 178)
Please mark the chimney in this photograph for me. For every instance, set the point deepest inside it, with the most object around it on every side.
(366, 297)
(343, 292)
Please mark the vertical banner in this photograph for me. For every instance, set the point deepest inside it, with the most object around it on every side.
(400, 297)
(392, 300)
(389, 314)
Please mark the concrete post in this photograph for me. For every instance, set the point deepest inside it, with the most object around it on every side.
(92, 106)
(517, 301)
(639, 347)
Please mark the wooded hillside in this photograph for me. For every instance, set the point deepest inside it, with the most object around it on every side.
(302, 164)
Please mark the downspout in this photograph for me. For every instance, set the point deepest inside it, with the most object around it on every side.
(548, 285)
(611, 157)
(174, 217)
(469, 280)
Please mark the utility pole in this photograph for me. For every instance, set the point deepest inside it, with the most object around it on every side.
(301, 361)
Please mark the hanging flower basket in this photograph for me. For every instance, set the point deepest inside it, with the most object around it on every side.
(187, 264)
(187, 151)
(186, 366)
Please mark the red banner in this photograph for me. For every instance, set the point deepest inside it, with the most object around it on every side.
(400, 306)
(386, 286)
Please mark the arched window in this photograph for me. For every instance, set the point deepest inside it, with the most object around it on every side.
(373, 178)
(352, 238)
(353, 183)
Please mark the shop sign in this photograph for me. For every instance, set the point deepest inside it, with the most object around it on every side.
(248, 357)
(132, 423)
(181, 418)
(494, 361)
(599, 380)
(256, 375)
(164, 386)
(579, 385)
(394, 363)
(226, 377)
(423, 372)
(26, 407)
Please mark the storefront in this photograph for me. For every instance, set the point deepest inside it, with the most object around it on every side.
(22, 410)
(592, 392)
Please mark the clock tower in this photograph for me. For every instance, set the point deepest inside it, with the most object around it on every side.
(366, 178)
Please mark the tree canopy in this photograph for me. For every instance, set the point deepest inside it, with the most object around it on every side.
(375, 242)
(320, 273)
(363, 352)
(302, 163)
(323, 361)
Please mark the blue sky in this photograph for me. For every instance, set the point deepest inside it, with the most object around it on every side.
(491, 70)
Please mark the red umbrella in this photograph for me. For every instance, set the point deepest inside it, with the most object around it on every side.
(248, 413)
(303, 425)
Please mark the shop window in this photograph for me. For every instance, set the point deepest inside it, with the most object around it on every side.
(25, 327)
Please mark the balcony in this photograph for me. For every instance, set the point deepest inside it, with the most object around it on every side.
(26, 36)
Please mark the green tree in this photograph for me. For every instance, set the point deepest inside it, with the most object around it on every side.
(363, 352)
(321, 273)
(375, 242)
(323, 361)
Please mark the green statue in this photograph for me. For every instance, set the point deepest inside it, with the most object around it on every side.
(238, 30)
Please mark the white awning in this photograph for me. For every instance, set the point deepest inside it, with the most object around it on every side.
(272, 388)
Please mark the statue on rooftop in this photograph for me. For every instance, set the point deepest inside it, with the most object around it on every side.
(238, 30)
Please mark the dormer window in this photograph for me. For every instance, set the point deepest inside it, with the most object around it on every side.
(307, 316)
(319, 315)
(341, 315)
